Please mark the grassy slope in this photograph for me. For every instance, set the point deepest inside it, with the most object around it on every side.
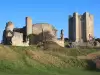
(34, 61)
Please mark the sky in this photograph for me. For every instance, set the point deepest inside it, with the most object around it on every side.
(54, 12)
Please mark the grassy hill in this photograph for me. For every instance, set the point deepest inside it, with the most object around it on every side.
(35, 61)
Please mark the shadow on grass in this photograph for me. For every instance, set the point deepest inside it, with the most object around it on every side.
(91, 66)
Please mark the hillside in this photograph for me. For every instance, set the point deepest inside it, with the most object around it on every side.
(35, 61)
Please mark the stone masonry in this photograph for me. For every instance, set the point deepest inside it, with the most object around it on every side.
(20, 36)
(81, 27)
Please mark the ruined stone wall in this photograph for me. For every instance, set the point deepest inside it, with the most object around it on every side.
(17, 40)
(59, 42)
(42, 32)
(40, 27)
(45, 32)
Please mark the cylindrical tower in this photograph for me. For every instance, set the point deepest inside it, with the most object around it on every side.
(9, 26)
(28, 26)
(8, 33)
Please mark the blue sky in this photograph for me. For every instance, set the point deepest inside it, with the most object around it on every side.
(54, 12)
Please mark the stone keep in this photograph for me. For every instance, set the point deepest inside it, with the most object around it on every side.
(81, 27)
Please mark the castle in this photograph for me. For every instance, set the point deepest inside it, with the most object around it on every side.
(38, 32)
(81, 27)
(81, 31)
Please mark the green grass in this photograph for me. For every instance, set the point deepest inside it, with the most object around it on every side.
(35, 61)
